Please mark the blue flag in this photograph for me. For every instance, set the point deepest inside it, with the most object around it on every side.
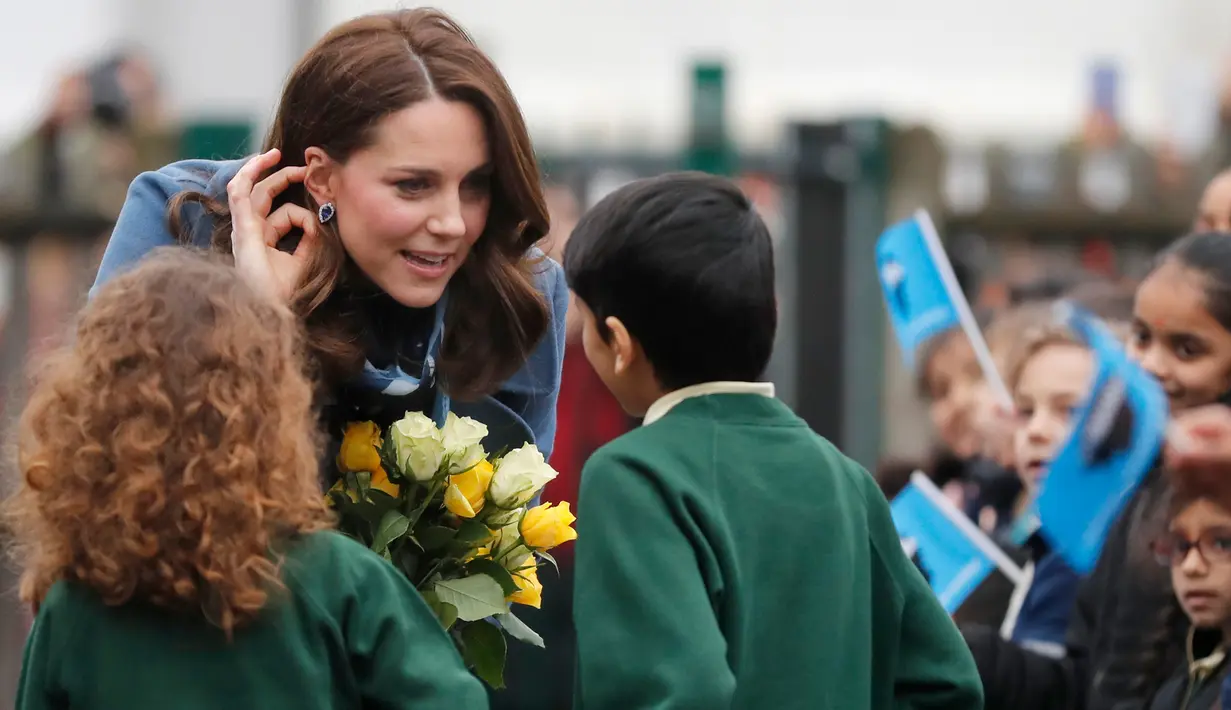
(1116, 438)
(916, 295)
(923, 297)
(955, 555)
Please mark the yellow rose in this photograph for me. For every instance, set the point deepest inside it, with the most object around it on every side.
(381, 482)
(467, 491)
(360, 449)
(547, 526)
(360, 453)
(529, 588)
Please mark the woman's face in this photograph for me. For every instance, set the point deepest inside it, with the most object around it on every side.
(411, 204)
(1176, 339)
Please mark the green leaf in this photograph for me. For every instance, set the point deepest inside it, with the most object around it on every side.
(517, 628)
(382, 501)
(549, 558)
(393, 526)
(474, 533)
(484, 648)
(370, 513)
(389, 459)
(363, 482)
(434, 537)
(497, 572)
(446, 613)
(476, 597)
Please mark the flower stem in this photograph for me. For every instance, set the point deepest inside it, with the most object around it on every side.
(435, 568)
(431, 493)
(521, 542)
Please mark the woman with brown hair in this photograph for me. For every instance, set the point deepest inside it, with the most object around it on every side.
(170, 529)
(395, 209)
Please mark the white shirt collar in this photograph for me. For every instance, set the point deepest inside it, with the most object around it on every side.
(665, 403)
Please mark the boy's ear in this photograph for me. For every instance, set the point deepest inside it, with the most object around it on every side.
(623, 347)
(319, 176)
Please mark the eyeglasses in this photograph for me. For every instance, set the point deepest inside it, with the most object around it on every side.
(1213, 546)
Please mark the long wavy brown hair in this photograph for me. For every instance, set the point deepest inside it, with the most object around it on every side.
(171, 449)
(359, 73)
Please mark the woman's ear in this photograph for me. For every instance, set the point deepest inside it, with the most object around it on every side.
(320, 175)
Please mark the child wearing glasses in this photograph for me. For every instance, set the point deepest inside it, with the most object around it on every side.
(1197, 549)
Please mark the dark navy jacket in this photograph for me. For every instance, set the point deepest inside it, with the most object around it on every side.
(1043, 618)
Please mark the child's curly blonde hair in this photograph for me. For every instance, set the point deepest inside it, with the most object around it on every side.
(168, 451)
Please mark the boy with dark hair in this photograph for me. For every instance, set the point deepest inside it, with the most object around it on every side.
(730, 557)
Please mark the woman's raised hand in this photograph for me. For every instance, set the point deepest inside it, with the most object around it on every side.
(255, 232)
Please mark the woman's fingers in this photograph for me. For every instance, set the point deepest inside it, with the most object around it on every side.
(288, 217)
(264, 192)
(245, 220)
(245, 179)
(311, 240)
(256, 231)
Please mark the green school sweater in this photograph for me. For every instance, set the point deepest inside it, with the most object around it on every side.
(352, 632)
(728, 557)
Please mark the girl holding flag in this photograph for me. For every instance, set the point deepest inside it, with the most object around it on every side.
(1181, 334)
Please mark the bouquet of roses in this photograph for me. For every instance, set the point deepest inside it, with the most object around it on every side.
(455, 521)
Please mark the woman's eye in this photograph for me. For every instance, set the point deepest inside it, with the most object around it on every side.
(413, 186)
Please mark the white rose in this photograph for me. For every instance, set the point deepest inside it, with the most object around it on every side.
(418, 444)
(519, 475)
(463, 442)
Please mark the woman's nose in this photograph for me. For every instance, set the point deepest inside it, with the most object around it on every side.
(448, 221)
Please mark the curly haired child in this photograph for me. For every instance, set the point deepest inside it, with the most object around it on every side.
(170, 526)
